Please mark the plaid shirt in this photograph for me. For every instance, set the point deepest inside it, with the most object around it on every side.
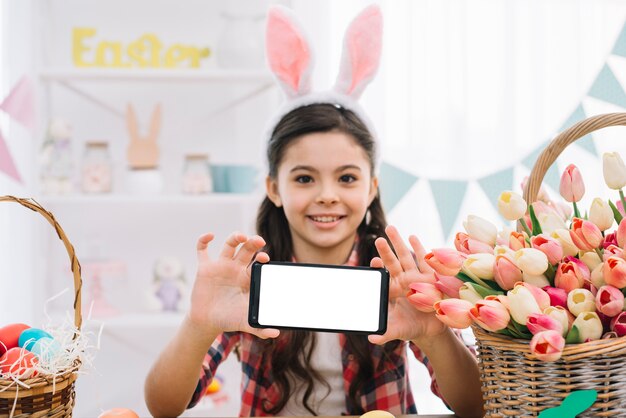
(388, 389)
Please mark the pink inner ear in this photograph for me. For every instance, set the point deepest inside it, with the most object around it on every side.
(365, 43)
(287, 51)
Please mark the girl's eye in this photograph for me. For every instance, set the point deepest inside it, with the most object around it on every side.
(304, 179)
(347, 178)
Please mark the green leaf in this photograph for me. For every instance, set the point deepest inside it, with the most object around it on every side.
(534, 220)
(465, 278)
(521, 329)
(483, 291)
(618, 216)
(573, 336)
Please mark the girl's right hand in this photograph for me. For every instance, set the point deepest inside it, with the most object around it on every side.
(221, 291)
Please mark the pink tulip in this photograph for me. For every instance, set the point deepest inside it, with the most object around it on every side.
(463, 243)
(618, 324)
(610, 239)
(620, 207)
(558, 296)
(621, 233)
(445, 261)
(423, 296)
(609, 300)
(549, 246)
(612, 250)
(585, 235)
(490, 315)
(454, 312)
(547, 345)
(506, 273)
(572, 187)
(542, 195)
(610, 334)
(448, 285)
(538, 322)
(614, 271)
(571, 274)
(517, 240)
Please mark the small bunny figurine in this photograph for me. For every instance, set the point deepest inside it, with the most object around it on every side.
(143, 152)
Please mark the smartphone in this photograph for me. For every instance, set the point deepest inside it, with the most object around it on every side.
(318, 297)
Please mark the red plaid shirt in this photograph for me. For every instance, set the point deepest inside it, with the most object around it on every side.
(388, 390)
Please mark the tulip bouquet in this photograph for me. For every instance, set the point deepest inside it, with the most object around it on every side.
(560, 278)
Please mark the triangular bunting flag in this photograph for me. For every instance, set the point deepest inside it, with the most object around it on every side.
(448, 196)
(607, 88)
(620, 45)
(586, 142)
(20, 103)
(6, 161)
(496, 183)
(394, 185)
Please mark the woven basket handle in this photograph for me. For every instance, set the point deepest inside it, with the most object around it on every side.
(78, 283)
(558, 144)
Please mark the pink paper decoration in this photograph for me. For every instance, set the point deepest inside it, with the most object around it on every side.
(6, 162)
(20, 103)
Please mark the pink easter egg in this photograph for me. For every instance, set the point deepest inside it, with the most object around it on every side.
(19, 362)
(118, 413)
(10, 336)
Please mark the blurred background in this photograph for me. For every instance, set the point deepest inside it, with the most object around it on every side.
(467, 96)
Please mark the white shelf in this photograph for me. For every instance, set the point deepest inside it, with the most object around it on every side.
(147, 198)
(136, 320)
(184, 75)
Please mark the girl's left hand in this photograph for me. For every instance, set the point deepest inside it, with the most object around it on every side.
(404, 322)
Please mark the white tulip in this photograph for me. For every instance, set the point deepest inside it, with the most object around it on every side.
(614, 170)
(538, 280)
(549, 221)
(481, 229)
(479, 265)
(511, 205)
(522, 303)
(591, 259)
(531, 261)
(581, 300)
(601, 214)
(468, 293)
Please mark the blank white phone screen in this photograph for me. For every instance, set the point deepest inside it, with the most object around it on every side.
(318, 297)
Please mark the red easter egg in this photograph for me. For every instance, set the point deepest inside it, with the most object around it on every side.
(10, 336)
(118, 413)
(19, 362)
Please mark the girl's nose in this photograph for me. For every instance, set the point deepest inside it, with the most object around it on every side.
(327, 195)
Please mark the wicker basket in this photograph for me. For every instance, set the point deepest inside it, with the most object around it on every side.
(514, 383)
(44, 397)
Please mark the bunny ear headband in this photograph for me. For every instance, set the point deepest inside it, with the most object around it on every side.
(291, 60)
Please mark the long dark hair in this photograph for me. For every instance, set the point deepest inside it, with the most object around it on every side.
(290, 354)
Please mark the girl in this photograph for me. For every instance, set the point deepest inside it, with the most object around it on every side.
(322, 206)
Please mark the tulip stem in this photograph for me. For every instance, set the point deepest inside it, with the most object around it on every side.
(525, 225)
(576, 212)
(599, 253)
(621, 197)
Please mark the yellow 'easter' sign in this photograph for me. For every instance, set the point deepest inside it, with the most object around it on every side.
(146, 51)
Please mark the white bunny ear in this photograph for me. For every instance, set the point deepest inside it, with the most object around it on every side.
(288, 52)
(361, 52)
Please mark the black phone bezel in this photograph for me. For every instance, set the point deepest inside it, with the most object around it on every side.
(255, 283)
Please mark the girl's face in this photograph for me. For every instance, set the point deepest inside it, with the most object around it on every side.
(325, 186)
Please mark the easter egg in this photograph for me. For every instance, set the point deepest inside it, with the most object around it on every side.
(30, 335)
(213, 387)
(10, 336)
(18, 362)
(118, 413)
(46, 349)
(377, 414)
